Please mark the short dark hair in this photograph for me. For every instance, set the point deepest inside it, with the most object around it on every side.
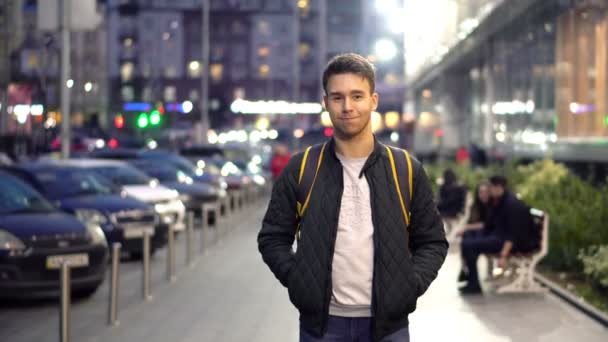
(350, 63)
(498, 180)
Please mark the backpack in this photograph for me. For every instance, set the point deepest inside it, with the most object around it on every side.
(401, 165)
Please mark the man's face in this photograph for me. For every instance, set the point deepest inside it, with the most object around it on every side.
(496, 191)
(350, 102)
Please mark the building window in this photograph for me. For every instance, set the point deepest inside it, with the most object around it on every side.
(263, 27)
(127, 93)
(146, 94)
(304, 50)
(264, 70)
(126, 71)
(146, 70)
(193, 96)
(264, 51)
(216, 71)
(170, 93)
(170, 71)
(238, 27)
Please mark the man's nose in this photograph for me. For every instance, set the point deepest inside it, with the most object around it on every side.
(347, 105)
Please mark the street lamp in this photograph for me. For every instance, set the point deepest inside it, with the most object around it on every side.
(385, 49)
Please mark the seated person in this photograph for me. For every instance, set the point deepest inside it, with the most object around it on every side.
(476, 221)
(502, 224)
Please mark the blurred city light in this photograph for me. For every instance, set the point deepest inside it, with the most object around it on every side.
(69, 83)
(194, 65)
(119, 121)
(187, 107)
(273, 134)
(142, 120)
(376, 121)
(88, 86)
(391, 119)
(262, 124)
(298, 133)
(154, 118)
(274, 107)
(395, 137)
(385, 49)
(326, 119)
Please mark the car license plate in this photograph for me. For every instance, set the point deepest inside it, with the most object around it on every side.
(137, 232)
(73, 260)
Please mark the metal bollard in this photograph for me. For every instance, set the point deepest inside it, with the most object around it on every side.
(146, 280)
(205, 225)
(189, 224)
(113, 307)
(64, 309)
(171, 255)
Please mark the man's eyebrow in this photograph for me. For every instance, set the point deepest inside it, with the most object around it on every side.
(352, 92)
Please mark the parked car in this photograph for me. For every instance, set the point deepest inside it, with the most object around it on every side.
(36, 237)
(191, 193)
(137, 184)
(91, 197)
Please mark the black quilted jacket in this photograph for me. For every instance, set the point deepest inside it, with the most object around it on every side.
(406, 259)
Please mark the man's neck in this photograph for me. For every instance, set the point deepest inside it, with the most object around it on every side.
(360, 146)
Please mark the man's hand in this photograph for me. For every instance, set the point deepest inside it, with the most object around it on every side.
(502, 262)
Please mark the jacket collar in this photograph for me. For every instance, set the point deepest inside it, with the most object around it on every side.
(373, 157)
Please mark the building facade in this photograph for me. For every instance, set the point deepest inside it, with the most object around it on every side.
(521, 78)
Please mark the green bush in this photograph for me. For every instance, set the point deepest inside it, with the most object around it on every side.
(595, 262)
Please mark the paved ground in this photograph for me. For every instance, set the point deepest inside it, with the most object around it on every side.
(229, 295)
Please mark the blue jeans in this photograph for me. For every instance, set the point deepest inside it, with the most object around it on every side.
(355, 329)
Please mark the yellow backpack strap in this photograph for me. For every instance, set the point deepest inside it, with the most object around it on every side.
(309, 168)
(401, 167)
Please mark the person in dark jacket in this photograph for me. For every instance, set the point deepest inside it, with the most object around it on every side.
(359, 268)
(507, 215)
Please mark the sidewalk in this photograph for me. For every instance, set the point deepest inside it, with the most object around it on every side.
(230, 295)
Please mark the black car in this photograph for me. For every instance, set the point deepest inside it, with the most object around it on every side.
(35, 238)
(92, 198)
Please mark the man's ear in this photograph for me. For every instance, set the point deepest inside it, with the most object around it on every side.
(375, 98)
(324, 102)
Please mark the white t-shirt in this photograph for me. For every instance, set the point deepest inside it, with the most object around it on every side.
(353, 262)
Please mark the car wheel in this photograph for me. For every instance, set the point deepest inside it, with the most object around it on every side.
(85, 292)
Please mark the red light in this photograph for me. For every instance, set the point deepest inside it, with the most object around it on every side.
(161, 110)
(439, 132)
(113, 143)
(328, 131)
(119, 121)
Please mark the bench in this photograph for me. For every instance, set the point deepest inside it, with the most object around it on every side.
(523, 265)
(452, 225)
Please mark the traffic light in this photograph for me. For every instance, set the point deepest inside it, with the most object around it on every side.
(142, 120)
(119, 121)
(155, 118)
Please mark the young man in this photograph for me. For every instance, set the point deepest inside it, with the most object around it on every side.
(358, 269)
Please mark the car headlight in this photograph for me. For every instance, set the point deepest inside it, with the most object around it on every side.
(91, 216)
(9, 242)
(96, 234)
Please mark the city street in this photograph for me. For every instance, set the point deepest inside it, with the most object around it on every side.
(230, 295)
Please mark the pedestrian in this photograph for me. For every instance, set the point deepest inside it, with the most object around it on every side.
(279, 160)
(476, 225)
(359, 267)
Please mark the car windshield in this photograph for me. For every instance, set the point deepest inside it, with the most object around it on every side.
(164, 172)
(16, 197)
(72, 183)
(123, 175)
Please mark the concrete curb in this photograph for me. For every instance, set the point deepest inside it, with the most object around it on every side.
(572, 299)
